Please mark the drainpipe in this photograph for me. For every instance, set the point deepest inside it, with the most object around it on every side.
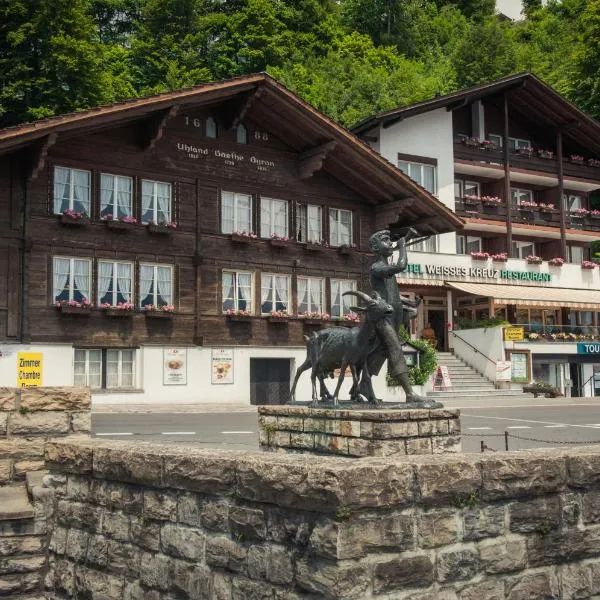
(507, 198)
(24, 299)
(561, 200)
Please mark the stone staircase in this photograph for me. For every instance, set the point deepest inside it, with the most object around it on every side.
(467, 382)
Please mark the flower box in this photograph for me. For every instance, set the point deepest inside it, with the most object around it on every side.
(159, 229)
(588, 265)
(313, 322)
(73, 221)
(277, 243)
(312, 247)
(118, 312)
(239, 318)
(65, 309)
(276, 319)
(525, 152)
(499, 257)
(483, 256)
(119, 225)
(534, 261)
(594, 216)
(240, 238)
(158, 314)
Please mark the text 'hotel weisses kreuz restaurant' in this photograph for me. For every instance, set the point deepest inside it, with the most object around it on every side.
(177, 248)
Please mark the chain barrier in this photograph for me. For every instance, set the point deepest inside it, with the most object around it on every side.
(506, 435)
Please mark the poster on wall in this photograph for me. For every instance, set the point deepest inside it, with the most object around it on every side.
(29, 369)
(222, 365)
(175, 366)
(503, 370)
(519, 364)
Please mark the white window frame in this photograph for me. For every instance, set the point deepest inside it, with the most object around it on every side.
(310, 283)
(519, 245)
(119, 362)
(519, 192)
(115, 280)
(468, 239)
(241, 134)
(154, 205)
(103, 354)
(268, 208)
(304, 218)
(472, 183)
(335, 233)
(570, 248)
(237, 225)
(155, 292)
(518, 143)
(58, 201)
(273, 298)
(410, 164)
(117, 182)
(72, 261)
(574, 201)
(235, 299)
(337, 311)
(431, 245)
(86, 362)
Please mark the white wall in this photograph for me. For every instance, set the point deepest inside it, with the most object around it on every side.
(57, 363)
(427, 135)
(487, 341)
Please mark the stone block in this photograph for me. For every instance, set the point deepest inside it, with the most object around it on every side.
(145, 534)
(448, 481)
(22, 448)
(584, 470)
(288, 527)
(540, 515)
(81, 422)
(591, 507)
(290, 424)
(529, 585)
(317, 425)
(348, 579)
(570, 509)
(446, 444)
(302, 440)
(189, 509)
(387, 447)
(332, 444)
(454, 427)
(528, 475)
(182, 542)
(225, 553)
(193, 581)
(366, 429)
(360, 447)
(7, 398)
(575, 582)
(55, 398)
(21, 564)
(270, 563)
(433, 427)
(437, 527)
(38, 423)
(155, 571)
(126, 464)
(3, 422)
(280, 439)
(215, 516)
(485, 590)
(479, 523)
(64, 577)
(77, 544)
(78, 488)
(455, 565)
(22, 467)
(398, 429)
(160, 505)
(6, 471)
(399, 574)
(504, 555)
(121, 558)
(77, 514)
(19, 583)
(350, 428)
(20, 545)
(419, 446)
(116, 525)
(58, 540)
(206, 472)
(563, 546)
(95, 584)
(68, 458)
(247, 523)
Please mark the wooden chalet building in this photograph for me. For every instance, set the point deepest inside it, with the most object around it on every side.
(167, 245)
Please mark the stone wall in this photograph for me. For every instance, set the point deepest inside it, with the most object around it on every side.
(358, 433)
(28, 418)
(141, 521)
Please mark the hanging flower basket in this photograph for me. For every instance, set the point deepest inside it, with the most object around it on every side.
(240, 316)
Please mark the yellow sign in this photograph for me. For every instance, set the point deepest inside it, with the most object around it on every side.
(514, 334)
(29, 369)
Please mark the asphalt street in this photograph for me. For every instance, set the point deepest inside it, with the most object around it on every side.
(541, 423)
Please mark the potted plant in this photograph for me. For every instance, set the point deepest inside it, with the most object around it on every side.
(488, 145)
(240, 316)
(71, 217)
(162, 227)
(155, 311)
(347, 248)
(491, 200)
(525, 151)
(122, 224)
(471, 141)
(122, 309)
(594, 214)
(279, 241)
(532, 259)
(471, 200)
(593, 162)
(528, 205)
(576, 159)
(556, 262)
(314, 318)
(350, 319)
(588, 264)
(547, 154)
(73, 307)
(243, 237)
(278, 316)
(547, 208)
(500, 257)
(579, 213)
(479, 255)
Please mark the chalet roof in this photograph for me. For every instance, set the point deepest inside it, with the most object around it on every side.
(529, 97)
(262, 99)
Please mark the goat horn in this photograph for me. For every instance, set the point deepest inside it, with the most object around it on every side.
(358, 294)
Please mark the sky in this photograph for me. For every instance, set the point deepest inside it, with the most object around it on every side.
(511, 8)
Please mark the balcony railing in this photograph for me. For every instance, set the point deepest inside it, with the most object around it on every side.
(533, 161)
(535, 332)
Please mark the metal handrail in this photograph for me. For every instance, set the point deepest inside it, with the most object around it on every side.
(494, 362)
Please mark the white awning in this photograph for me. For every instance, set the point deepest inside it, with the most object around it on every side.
(527, 295)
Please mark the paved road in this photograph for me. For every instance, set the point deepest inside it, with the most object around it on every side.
(546, 421)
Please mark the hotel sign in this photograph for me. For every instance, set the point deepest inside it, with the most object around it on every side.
(477, 273)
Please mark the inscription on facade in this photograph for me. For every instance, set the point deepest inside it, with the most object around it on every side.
(477, 273)
(231, 159)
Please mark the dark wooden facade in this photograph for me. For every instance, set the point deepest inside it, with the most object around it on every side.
(293, 153)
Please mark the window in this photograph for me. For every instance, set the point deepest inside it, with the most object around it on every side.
(495, 139)
(211, 128)
(115, 282)
(309, 223)
(423, 174)
(465, 244)
(513, 143)
(156, 202)
(517, 195)
(237, 291)
(71, 190)
(574, 201)
(273, 217)
(471, 188)
(575, 254)
(523, 249)
(156, 285)
(71, 279)
(340, 227)
(104, 368)
(458, 188)
(340, 305)
(428, 245)
(311, 293)
(274, 293)
(236, 212)
(241, 134)
(115, 196)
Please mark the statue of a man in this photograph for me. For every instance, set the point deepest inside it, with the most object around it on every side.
(383, 281)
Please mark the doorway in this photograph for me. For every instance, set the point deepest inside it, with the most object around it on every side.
(437, 319)
(269, 380)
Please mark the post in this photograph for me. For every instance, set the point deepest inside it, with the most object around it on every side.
(507, 195)
(506, 440)
(482, 446)
(561, 199)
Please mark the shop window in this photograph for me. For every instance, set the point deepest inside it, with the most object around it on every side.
(517, 195)
(465, 244)
(156, 202)
(104, 368)
(275, 293)
(237, 291)
(311, 293)
(71, 190)
(156, 285)
(309, 223)
(273, 218)
(116, 194)
(523, 249)
(115, 282)
(340, 304)
(241, 134)
(424, 174)
(340, 227)
(428, 245)
(211, 128)
(71, 279)
(236, 212)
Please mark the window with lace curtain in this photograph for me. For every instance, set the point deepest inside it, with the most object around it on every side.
(71, 190)
(71, 279)
(156, 285)
(104, 368)
(309, 223)
(273, 217)
(311, 294)
(340, 227)
(237, 291)
(340, 305)
(275, 293)
(115, 282)
(236, 212)
(156, 202)
(115, 196)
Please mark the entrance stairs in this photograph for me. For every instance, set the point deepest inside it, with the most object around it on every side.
(467, 382)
